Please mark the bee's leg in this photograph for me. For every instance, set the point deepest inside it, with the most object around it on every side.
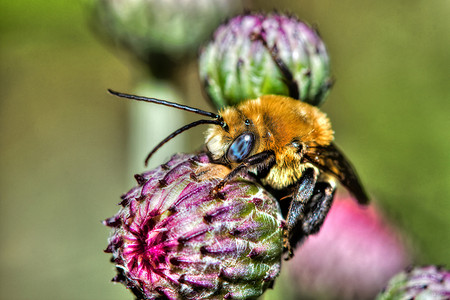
(289, 80)
(297, 209)
(259, 160)
(313, 213)
(291, 83)
(318, 206)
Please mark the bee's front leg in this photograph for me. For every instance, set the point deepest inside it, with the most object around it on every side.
(288, 76)
(259, 161)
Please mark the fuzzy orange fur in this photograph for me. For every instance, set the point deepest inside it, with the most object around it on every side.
(276, 122)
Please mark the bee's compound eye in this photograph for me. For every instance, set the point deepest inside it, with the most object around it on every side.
(241, 147)
(297, 145)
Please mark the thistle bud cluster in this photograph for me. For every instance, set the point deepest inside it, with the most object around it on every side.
(175, 236)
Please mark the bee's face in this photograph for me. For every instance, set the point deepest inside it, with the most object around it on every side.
(239, 140)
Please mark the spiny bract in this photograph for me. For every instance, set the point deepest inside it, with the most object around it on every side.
(172, 239)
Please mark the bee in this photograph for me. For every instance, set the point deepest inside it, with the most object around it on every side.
(288, 145)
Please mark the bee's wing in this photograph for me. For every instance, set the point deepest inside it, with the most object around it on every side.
(330, 159)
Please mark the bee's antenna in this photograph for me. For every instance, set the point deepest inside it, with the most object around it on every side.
(217, 118)
(180, 130)
(166, 103)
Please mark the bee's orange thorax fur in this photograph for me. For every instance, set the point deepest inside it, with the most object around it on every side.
(276, 122)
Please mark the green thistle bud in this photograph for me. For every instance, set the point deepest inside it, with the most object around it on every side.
(172, 239)
(421, 283)
(155, 29)
(250, 55)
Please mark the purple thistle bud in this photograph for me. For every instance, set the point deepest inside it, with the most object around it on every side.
(256, 54)
(172, 239)
(423, 283)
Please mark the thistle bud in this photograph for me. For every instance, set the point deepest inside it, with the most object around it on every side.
(255, 54)
(160, 29)
(174, 239)
(429, 282)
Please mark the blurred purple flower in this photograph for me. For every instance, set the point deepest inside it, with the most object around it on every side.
(352, 257)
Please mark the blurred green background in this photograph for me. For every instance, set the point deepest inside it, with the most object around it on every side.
(63, 140)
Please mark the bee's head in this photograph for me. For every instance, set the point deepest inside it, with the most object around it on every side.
(236, 140)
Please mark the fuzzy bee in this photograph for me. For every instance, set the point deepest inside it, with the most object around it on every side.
(288, 145)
